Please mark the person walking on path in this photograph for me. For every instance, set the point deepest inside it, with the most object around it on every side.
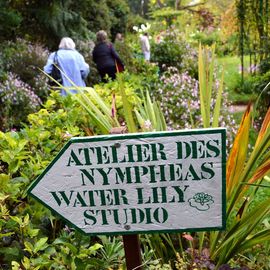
(74, 69)
(119, 38)
(145, 45)
(105, 57)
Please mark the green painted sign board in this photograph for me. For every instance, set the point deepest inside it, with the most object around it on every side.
(138, 183)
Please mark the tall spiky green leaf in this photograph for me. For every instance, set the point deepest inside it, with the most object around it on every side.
(218, 102)
(126, 105)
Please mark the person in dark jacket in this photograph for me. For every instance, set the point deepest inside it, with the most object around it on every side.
(105, 57)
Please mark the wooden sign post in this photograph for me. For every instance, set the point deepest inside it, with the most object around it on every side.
(131, 242)
(138, 183)
(132, 251)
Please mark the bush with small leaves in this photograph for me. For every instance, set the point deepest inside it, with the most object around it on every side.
(171, 50)
(17, 100)
(178, 94)
(25, 59)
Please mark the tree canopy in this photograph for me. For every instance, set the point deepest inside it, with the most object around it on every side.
(48, 21)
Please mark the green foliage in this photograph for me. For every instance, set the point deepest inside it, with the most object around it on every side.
(149, 115)
(14, 155)
(244, 230)
(180, 90)
(167, 53)
(10, 20)
(127, 106)
(132, 20)
(85, 47)
(264, 65)
(96, 13)
(206, 37)
(30, 237)
(23, 156)
(253, 20)
(254, 86)
(146, 74)
(125, 53)
(173, 51)
(228, 46)
(169, 14)
(135, 6)
(2, 68)
(23, 59)
(68, 251)
(238, 92)
(17, 101)
(206, 76)
(49, 21)
(110, 255)
(120, 10)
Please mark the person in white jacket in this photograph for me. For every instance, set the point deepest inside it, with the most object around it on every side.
(145, 45)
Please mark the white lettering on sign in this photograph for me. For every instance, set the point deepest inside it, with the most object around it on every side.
(147, 182)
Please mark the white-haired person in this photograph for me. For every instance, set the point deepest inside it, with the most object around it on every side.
(73, 67)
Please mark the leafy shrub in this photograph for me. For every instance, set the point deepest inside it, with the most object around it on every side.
(147, 74)
(2, 70)
(206, 38)
(30, 237)
(17, 100)
(23, 59)
(23, 156)
(86, 49)
(255, 86)
(125, 53)
(264, 65)
(171, 50)
(212, 36)
(134, 19)
(228, 46)
(261, 88)
(9, 20)
(178, 94)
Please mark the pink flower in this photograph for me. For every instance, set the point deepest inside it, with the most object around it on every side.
(113, 106)
(188, 237)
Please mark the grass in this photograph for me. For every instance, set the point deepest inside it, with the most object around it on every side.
(232, 78)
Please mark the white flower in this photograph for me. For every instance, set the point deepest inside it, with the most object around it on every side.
(135, 28)
(147, 124)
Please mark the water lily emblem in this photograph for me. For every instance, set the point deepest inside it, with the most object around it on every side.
(201, 201)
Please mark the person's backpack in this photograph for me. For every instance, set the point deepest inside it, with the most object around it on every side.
(56, 73)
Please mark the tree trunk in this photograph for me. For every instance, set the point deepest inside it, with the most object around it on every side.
(159, 3)
(177, 4)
